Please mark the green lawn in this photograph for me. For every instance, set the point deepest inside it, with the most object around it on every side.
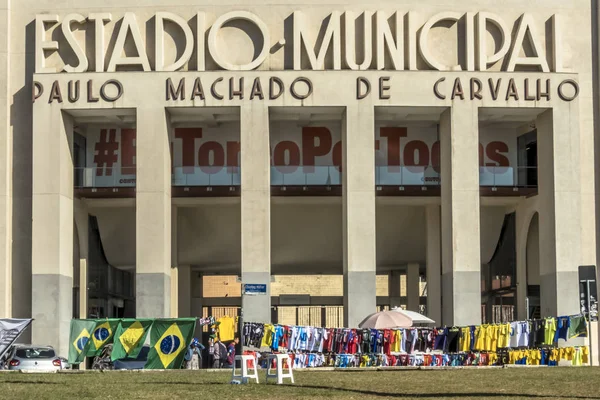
(507, 383)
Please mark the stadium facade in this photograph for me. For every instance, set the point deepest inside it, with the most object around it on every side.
(151, 148)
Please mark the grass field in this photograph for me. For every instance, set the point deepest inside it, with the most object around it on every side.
(508, 383)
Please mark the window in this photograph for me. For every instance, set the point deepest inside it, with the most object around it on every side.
(35, 352)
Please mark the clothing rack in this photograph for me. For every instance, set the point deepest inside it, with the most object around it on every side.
(530, 342)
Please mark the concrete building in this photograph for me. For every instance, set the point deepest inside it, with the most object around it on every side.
(155, 157)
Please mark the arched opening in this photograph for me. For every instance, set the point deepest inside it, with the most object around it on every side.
(499, 275)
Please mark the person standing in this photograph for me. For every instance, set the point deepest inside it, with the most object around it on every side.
(219, 353)
(231, 352)
(188, 357)
(197, 348)
(193, 355)
(211, 352)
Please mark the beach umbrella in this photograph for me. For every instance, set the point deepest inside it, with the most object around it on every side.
(386, 320)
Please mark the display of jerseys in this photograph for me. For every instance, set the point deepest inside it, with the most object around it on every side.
(465, 339)
(491, 338)
(523, 334)
(537, 332)
(504, 336)
(562, 328)
(267, 339)
(577, 327)
(566, 353)
(514, 334)
(452, 340)
(397, 340)
(278, 333)
(480, 337)
(440, 339)
(302, 341)
(577, 357)
(549, 331)
(226, 326)
(253, 334)
(519, 342)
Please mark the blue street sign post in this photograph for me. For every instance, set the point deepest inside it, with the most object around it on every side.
(250, 289)
(255, 289)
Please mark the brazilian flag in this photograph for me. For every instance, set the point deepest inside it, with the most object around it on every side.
(130, 337)
(103, 334)
(79, 340)
(169, 340)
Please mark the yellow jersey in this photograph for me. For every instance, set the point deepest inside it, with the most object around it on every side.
(226, 328)
(465, 339)
(267, 339)
(480, 337)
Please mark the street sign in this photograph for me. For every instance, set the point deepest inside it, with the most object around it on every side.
(253, 289)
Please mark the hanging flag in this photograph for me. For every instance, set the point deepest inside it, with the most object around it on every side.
(130, 337)
(10, 330)
(79, 341)
(169, 340)
(103, 334)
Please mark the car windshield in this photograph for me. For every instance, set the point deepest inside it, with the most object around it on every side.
(35, 352)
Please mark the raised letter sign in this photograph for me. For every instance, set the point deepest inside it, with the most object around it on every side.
(527, 28)
(118, 58)
(246, 16)
(394, 42)
(424, 40)
(70, 38)
(482, 20)
(160, 41)
(41, 44)
(331, 37)
(99, 37)
(350, 42)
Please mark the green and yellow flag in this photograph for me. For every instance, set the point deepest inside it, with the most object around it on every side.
(79, 340)
(130, 337)
(103, 333)
(169, 340)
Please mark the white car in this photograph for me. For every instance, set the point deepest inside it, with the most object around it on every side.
(34, 358)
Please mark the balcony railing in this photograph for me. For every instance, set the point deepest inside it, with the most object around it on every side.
(423, 176)
(206, 176)
(306, 176)
(102, 177)
(182, 176)
(406, 176)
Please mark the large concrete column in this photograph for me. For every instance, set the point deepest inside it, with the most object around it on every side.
(413, 289)
(256, 209)
(174, 306)
(358, 160)
(82, 231)
(174, 264)
(461, 265)
(559, 209)
(6, 160)
(153, 214)
(434, 262)
(193, 306)
(52, 240)
(196, 294)
(394, 290)
(82, 224)
(184, 292)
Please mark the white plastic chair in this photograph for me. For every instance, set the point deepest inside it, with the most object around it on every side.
(245, 371)
(279, 373)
